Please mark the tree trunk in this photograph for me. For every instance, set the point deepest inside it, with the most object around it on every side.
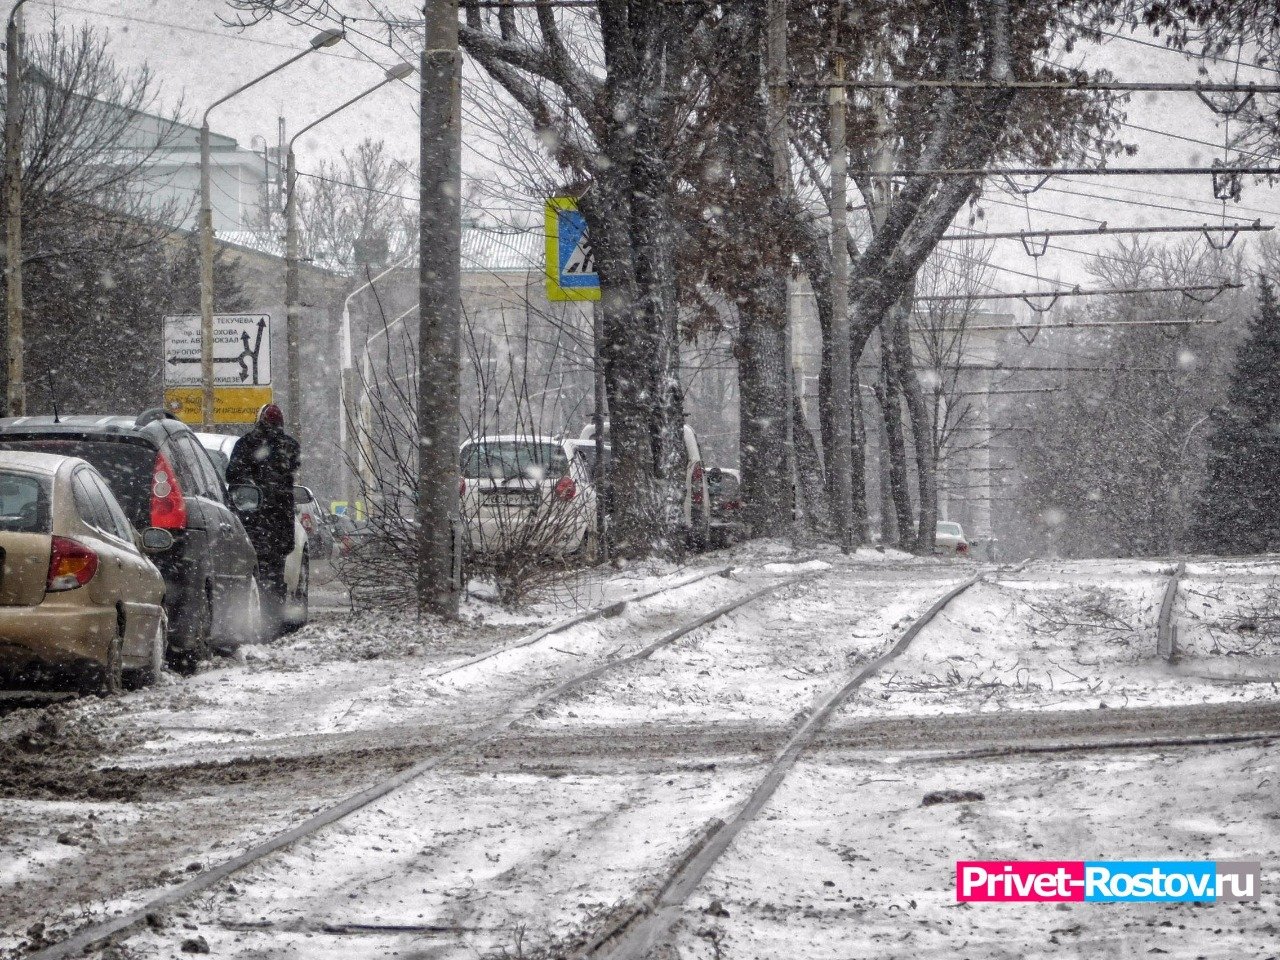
(889, 395)
(921, 424)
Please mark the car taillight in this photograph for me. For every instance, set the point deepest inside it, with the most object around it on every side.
(168, 508)
(732, 505)
(697, 482)
(307, 523)
(71, 565)
(462, 488)
(962, 548)
(566, 489)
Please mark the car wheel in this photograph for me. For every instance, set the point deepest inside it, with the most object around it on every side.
(184, 659)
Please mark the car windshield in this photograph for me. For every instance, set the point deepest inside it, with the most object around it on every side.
(24, 503)
(950, 529)
(126, 466)
(513, 460)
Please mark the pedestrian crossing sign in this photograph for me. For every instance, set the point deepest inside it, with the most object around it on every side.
(571, 264)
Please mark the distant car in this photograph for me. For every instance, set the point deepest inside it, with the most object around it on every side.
(163, 478)
(348, 534)
(79, 600)
(528, 492)
(950, 539)
(724, 493)
(297, 566)
(312, 517)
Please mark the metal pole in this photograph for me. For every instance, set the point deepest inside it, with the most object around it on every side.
(842, 429)
(206, 283)
(293, 295)
(325, 38)
(293, 306)
(439, 298)
(17, 391)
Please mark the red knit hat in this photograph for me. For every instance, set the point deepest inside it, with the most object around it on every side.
(272, 415)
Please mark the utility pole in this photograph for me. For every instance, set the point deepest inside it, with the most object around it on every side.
(841, 400)
(440, 308)
(17, 389)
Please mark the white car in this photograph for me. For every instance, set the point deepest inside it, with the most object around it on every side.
(697, 495)
(528, 493)
(297, 566)
(949, 539)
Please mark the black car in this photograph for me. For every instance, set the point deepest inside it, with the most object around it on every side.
(162, 477)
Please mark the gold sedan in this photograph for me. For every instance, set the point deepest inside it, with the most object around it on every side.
(79, 600)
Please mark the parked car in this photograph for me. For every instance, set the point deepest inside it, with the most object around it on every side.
(348, 533)
(697, 500)
(520, 491)
(950, 539)
(724, 493)
(79, 600)
(297, 566)
(162, 478)
(312, 517)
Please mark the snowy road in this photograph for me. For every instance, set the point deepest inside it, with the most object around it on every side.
(559, 823)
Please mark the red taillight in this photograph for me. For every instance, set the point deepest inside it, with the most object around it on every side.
(168, 509)
(962, 548)
(731, 505)
(697, 483)
(71, 565)
(307, 523)
(566, 489)
(462, 488)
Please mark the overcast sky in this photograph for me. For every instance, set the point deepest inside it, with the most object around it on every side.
(197, 58)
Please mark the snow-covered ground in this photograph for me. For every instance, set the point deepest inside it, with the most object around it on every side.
(564, 818)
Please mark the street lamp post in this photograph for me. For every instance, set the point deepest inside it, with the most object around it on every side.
(347, 439)
(16, 401)
(293, 300)
(326, 38)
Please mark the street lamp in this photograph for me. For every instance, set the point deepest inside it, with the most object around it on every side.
(347, 388)
(16, 401)
(325, 38)
(293, 305)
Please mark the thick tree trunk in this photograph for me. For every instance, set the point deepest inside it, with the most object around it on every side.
(921, 425)
(654, 241)
(629, 360)
(809, 469)
(888, 392)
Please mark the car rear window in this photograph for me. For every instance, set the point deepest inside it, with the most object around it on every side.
(513, 460)
(950, 529)
(126, 467)
(24, 503)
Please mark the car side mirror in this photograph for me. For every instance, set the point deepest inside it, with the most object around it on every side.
(245, 498)
(156, 540)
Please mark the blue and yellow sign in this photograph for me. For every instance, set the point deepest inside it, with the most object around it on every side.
(571, 265)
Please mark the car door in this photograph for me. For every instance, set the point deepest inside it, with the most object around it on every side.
(231, 560)
(140, 588)
(106, 588)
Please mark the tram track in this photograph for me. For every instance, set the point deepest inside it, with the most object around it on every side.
(99, 933)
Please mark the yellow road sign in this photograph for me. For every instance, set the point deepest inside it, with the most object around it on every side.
(571, 264)
(230, 404)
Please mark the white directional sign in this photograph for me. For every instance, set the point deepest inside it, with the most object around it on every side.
(241, 350)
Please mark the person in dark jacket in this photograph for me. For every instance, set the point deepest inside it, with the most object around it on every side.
(267, 458)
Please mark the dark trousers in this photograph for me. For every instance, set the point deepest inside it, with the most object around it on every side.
(275, 592)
